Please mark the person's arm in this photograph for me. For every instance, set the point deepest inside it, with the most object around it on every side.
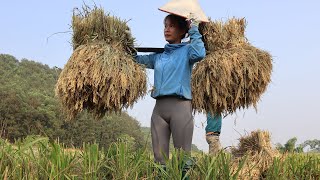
(197, 50)
(147, 60)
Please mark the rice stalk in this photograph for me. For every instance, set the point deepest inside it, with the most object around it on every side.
(100, 75)
(234, 74)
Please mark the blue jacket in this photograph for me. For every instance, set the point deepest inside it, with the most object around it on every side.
(172, 68)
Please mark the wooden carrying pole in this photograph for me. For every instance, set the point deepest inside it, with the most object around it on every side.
(149, 49)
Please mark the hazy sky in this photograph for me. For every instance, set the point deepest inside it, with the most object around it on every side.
(289, 30)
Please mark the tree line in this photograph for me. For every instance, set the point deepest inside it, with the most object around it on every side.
(291, 146)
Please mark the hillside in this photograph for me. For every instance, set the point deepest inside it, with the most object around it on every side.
(28, 107)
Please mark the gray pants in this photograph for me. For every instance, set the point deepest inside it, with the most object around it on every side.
(171, 115)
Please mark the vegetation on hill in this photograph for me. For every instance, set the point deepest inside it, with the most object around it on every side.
(28, 106)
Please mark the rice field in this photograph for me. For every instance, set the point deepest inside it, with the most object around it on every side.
(38, 158)
(101, 76)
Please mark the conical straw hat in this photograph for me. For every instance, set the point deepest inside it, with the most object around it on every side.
(184, 8)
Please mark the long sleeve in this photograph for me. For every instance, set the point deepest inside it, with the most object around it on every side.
(147, 60)
(197, 50)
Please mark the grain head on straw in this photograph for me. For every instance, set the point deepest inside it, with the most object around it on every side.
(234, 73)
(259, 154)
(100, 75)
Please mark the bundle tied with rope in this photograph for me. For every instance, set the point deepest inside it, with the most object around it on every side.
(234, 73)
(257, 149)
(101, 75)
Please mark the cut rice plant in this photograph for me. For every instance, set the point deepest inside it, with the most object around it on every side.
(259, 153)
(93, 24)
(234, 74)
(219, 35)
(101, 75)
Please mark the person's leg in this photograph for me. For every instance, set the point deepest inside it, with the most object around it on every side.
(181, 124)
(160, 133)
(213, 130)
(214, 144)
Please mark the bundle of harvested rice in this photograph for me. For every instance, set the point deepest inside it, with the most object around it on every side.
(234, 73)
(257, 147)
(257, 141)
(100, 75)
(94, 25)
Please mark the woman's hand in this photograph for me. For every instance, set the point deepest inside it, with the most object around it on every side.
(192, 20)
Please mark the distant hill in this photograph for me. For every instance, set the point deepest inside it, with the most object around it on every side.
(28, 107)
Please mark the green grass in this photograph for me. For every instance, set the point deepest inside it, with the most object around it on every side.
(37, 158)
